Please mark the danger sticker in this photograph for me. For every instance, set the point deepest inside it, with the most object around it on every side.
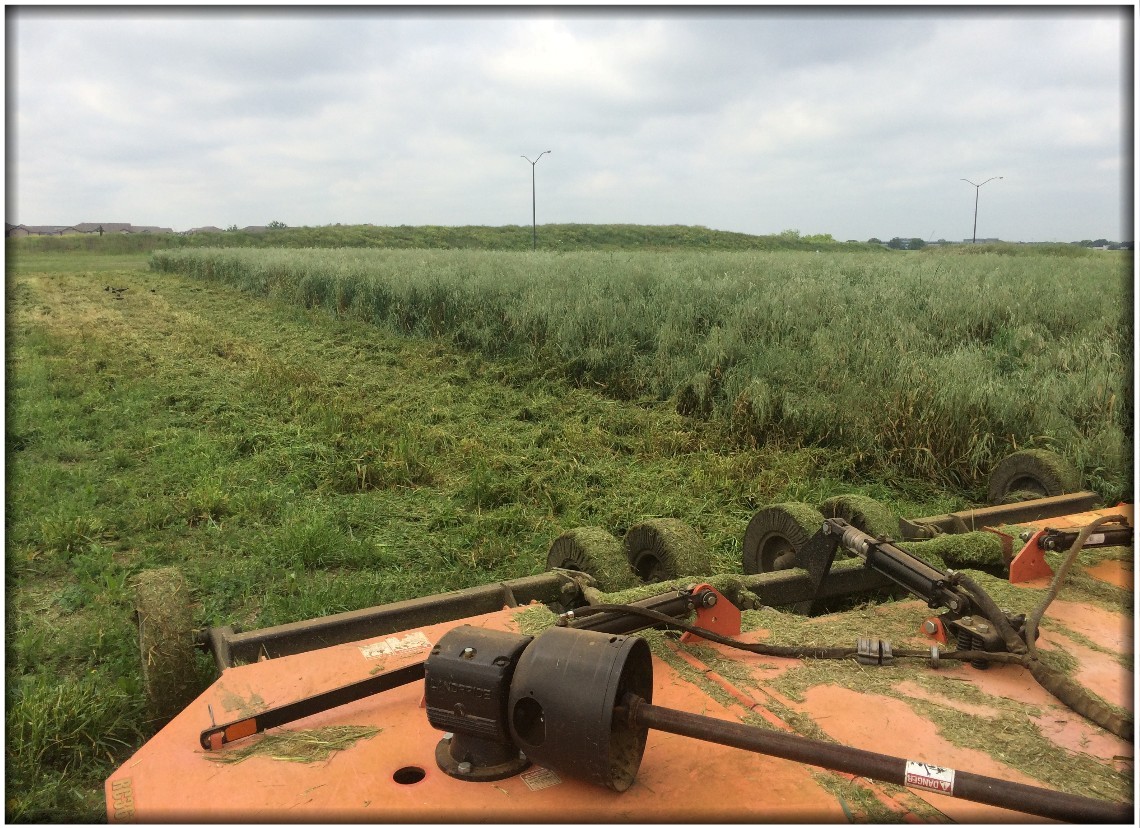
(930, 777)
(411, 641)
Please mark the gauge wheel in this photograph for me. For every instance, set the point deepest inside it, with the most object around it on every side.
(864, 513)
(596, 552)
(164, 615)
(1033, 472)
(663, 549)
(776, 534)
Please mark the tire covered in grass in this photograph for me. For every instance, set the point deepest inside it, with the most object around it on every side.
(776, 534)
(166, 642)
(596, 552)
(862, 512)
(663, 549)
(1032, 472)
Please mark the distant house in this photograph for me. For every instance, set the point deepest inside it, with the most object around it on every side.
(207, 229)
(37, 230)
(255, 229)
(108, 226)
(91, 227)
(119, 227)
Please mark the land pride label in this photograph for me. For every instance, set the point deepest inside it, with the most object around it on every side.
(123, 800)
(930, 777)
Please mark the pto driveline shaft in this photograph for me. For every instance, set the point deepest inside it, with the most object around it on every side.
(960, 784)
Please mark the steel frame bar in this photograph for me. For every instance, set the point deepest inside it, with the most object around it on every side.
(965, 785)
(970, 520)
(229, 647)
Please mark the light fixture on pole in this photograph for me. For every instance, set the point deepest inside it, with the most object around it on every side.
(977, 190)
(533, 209)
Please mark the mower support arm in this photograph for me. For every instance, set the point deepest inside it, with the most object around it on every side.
(911, 573)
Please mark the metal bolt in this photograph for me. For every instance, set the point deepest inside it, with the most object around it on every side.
(447, 737)
(708, 599)
(929, 627)
(967, 620)
(464, 768)
(468, 652)
(983, 628)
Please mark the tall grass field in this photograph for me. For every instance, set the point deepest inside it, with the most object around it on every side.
(932, 364)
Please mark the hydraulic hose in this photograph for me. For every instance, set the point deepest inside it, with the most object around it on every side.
(1067, 691)
(780, 650)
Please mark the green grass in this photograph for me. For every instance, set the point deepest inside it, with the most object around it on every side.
(295, 463)
(933, 366)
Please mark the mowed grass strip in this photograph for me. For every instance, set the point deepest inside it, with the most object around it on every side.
(934, 364)
(293, 465)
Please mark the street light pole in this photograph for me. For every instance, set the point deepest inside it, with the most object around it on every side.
(977, 191)
(533, 204)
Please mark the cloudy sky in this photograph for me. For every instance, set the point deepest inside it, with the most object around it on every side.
(856, 123)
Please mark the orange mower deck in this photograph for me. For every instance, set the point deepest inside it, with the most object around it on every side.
(955, 716)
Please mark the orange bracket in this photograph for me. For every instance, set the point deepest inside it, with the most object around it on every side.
(934, 629)
(1029, 564)
(715, 613)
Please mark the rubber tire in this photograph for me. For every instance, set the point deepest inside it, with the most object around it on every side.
(165, 618)
(596, 552)
(1034, 470)
(664, 548)
(864, 513)
(776, 534)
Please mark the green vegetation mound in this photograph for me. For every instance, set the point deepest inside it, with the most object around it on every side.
(550, 237)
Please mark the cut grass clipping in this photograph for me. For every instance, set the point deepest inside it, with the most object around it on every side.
(299, 745)
(967, 550)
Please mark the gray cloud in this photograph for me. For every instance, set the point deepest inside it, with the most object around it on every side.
(853, 122)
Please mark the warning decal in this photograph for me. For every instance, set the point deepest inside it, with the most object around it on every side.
(538, 778)
(930, 777)
(412, 641)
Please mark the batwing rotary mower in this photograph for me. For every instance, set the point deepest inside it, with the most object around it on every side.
(627, 684)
